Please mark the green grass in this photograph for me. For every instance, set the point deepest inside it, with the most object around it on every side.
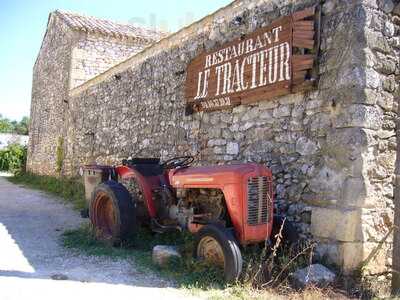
(71, 190)
(186, 272)
(196, 278)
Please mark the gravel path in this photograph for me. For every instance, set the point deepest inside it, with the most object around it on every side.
(31, 223)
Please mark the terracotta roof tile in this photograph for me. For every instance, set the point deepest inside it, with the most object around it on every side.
(106, 27)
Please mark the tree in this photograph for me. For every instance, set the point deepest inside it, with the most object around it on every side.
(5, 125)
(22, 127)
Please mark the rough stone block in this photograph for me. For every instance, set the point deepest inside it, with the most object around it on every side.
(320, 123)
(354, 192)
(326, 183)
(337, 224)
(313, 275)
(251, 115)
(232, 148)
(358, 115)
(371, 258)
(377, 41)
(216, 142)
(282, 111)
(345, 149)
(304, 146)
(162, 254)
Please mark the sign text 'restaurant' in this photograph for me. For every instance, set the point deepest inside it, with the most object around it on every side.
(267, 65)
(260, 61)
(259, 66)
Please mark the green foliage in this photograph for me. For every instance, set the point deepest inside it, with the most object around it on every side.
(22, 127)
(71, 190)
(5, 125)
(13, 158)
(60, 154)
(8, 126)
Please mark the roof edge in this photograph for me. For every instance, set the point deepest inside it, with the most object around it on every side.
(104, 31)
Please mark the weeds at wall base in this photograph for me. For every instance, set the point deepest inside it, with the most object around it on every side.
(60, 155)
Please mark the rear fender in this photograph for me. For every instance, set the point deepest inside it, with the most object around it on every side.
(126, 172)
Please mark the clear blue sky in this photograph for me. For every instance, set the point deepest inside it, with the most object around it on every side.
(23, 24)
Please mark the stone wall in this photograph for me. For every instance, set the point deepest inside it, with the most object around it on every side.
(68, 57)
(382, 61)
(94, 53)
(49, 96)
(331, 150)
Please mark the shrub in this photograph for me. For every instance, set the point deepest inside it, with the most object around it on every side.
(13, 158)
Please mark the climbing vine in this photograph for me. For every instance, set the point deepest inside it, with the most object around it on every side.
(60, 154)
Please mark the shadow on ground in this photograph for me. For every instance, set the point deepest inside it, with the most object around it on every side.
(30, 227)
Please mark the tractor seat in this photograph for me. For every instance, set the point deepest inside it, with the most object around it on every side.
(146, 166)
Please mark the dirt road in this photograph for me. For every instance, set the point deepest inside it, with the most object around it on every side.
(31, 223)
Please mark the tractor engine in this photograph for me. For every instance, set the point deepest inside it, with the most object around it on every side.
(199, 206)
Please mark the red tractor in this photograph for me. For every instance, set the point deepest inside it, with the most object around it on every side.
(225, 207)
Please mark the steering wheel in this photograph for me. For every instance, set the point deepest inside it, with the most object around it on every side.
(180, 161)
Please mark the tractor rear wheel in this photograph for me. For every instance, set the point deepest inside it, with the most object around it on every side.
(112, 213)
(217, 245)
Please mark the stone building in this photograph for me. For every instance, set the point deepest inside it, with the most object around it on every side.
(75, 49)
(332, 150)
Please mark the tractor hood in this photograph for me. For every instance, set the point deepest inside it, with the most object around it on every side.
(215, 175)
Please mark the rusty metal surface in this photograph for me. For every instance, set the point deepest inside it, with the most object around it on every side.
(211, 251)
(103, 217)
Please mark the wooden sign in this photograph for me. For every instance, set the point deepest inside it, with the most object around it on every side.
(270, 62)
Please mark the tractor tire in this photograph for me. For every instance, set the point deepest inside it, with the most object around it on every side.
(216, 244)
(112, 213)
(290, 235)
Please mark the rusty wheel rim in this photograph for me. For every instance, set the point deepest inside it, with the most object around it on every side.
(211, 251)
(104, 217)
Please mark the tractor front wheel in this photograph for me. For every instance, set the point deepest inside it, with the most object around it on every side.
(112, 213)
(217, 245)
